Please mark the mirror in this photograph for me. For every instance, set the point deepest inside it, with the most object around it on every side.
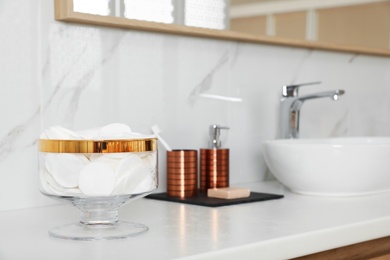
(357, 26)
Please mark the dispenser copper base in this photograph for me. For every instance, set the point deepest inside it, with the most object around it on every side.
(182, 173)
(214, 168)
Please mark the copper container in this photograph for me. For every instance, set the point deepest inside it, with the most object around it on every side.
(182, 173)
(214, 168)
(183, 193)
(175, 163)
(181, 177)
(174, 183)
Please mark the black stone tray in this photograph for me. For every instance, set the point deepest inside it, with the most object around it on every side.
(202, 200)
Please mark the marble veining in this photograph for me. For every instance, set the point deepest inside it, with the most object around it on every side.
(9, 143)
(298, 68)
(353, 57)
(73, 58)
(207, 81)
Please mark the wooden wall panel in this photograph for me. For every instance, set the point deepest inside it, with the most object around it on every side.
(253, 25)
(291, 25)
(364, 25)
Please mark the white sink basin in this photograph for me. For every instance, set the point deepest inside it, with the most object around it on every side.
(331, 167)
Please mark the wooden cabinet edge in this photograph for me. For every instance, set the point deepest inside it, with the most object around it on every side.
(377, 249)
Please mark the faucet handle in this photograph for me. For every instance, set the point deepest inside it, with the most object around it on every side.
(292, 90)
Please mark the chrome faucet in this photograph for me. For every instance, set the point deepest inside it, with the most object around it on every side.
(291, 105)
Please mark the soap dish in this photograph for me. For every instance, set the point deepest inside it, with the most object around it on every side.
(202, 200)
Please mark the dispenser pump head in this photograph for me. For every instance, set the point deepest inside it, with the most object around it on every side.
(215, 131)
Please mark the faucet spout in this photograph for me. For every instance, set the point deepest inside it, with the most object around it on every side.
(291, 106)
(334, 95)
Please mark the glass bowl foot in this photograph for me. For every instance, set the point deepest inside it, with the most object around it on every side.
(88, 232)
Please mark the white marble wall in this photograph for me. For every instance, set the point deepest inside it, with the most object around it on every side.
(79, 76)
(20, 104)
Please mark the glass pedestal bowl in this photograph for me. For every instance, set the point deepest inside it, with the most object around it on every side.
(98, 177)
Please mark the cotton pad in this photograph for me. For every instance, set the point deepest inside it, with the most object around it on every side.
(89, 134)
(97, 179)
(127, 166)
(146, 184)
(134, 181)
(130, 173)
(149, 160)
(65, 168)
(61, 133)
(106, 159)
(114, 131)
(50, 181)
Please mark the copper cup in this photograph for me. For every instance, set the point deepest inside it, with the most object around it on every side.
(182, 173)
(214, 168)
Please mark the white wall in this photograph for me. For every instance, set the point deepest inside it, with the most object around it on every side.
(80, 76)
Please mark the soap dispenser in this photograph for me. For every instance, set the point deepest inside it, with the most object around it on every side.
(214, 162)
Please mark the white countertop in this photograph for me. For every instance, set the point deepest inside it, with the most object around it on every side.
(277, 229)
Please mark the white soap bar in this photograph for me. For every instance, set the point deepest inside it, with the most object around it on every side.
(228, 193)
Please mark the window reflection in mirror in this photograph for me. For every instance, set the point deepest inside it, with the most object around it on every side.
(211, 14)
(100, 7)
